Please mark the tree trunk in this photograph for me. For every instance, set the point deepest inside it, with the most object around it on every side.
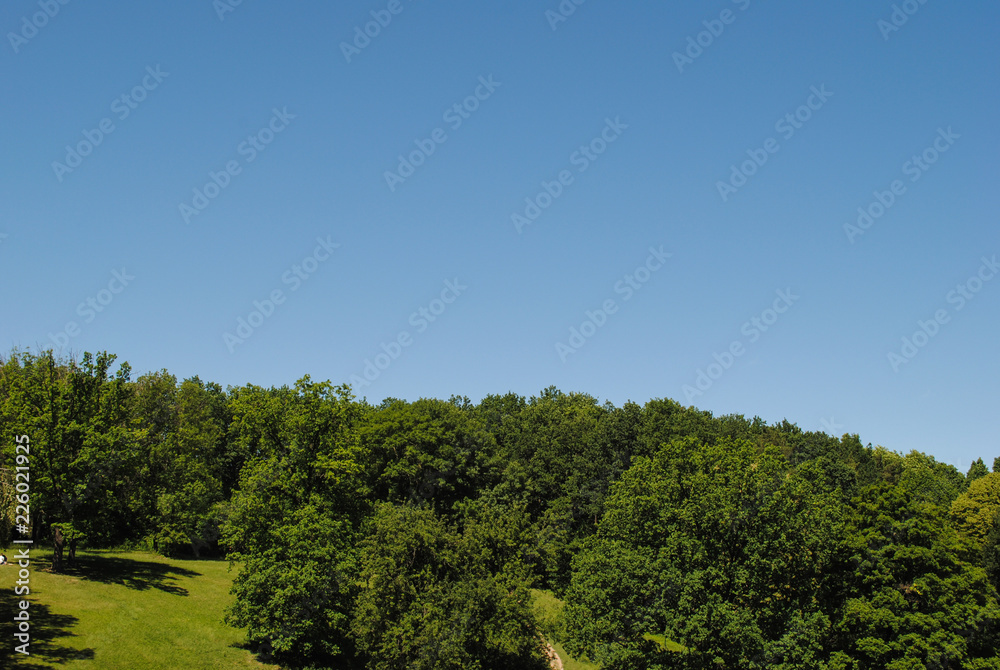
(58, 542)
(36, 527)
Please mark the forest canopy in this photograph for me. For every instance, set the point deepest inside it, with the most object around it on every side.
(411, 534)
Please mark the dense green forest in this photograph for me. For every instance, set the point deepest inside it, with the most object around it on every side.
(409, 534)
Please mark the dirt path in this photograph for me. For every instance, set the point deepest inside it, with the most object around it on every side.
(554, 659)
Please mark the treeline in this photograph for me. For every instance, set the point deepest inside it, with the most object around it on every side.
(409, 534)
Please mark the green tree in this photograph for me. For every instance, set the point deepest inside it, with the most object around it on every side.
(665, 420)
(991, 552)
(913, 602)
(973, 512)
(437, 597)
(717, 547)
(84, 446)
(924, 478)
(8, 504)
(293, 522)
(428, 451)
(557, 463)
(189, 492)
(976, 470)
(156, 417)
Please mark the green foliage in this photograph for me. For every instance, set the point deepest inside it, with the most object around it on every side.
(551, 623)
(974, 511)
(8, 505)
(434, 596)
(976, 470)
(665, 420)
(716, 547)
(190, 466)
(410, 534)
(991, 552)
(913, 601)
(84, 446)
(294, 521)
(189, 492)
(925, 479)
(429, 451)
(557, 455)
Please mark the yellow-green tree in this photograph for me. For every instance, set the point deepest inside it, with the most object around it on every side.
(974, 511)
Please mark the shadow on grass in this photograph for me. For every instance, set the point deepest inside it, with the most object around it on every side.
(259, 653)
(47, 631)
(130, 573)
(349, 660)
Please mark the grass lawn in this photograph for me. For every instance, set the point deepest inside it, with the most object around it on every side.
(127, 611)
(139, 611)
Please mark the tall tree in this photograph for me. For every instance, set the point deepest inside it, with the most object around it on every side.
(428, 451)
(991, 552)
(974, 511)
(84, 446)
(913, 601)
(554, 463)
(976, 470)
(189, 491)
(293, 522)
(438, 597)
(716, 547)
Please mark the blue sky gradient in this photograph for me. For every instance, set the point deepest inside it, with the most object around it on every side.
(329, 121)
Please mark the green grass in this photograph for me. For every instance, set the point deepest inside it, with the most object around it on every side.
(127, 611)
(664, 643)
(548, 609)
(139, 611)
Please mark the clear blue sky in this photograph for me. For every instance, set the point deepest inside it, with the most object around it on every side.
(660, 132)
